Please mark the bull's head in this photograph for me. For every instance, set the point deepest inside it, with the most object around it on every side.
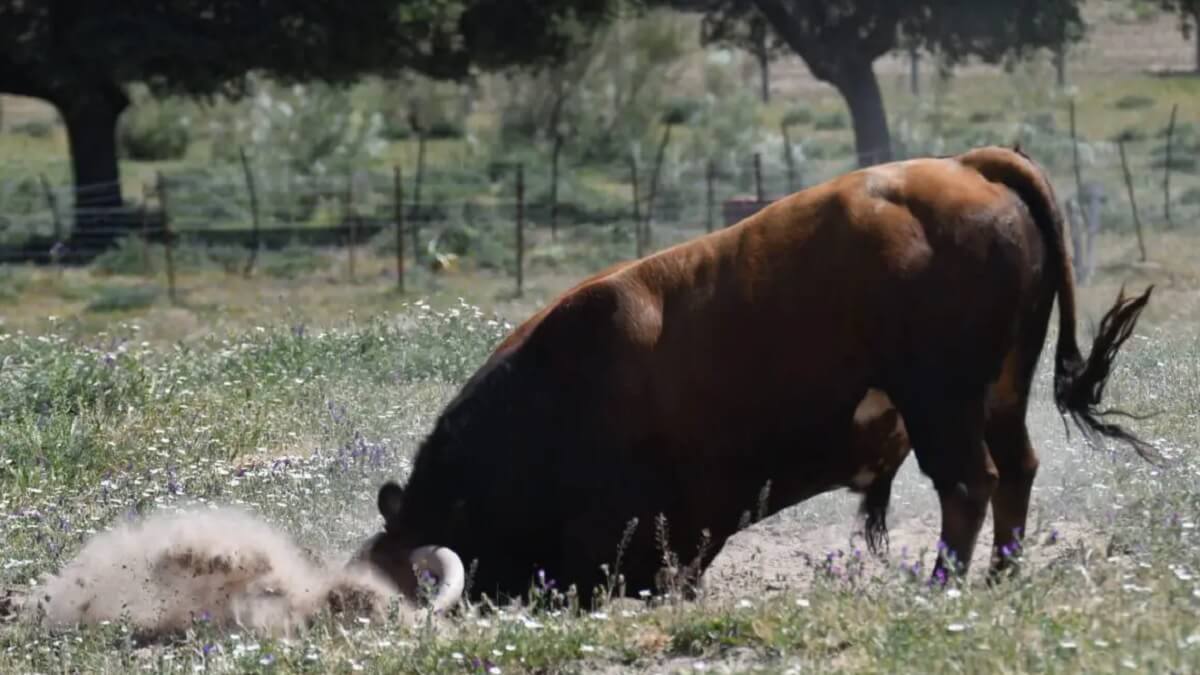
(408, 565)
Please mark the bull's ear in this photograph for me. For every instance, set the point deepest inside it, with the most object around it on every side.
(391, 498)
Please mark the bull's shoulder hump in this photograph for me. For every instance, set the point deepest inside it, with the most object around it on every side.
(606, 309)
(522, 332)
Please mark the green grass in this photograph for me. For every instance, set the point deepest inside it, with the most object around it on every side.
(299, 419)
(124, 298)
(300, 423)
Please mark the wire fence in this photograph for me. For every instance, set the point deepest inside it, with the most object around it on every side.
(259, 206)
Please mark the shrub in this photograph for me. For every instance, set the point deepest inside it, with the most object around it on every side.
(680, 111)
(493, 250)
(314, 129)
(442, 129)
(1182, 130)
(395, 128)
(123, 298)
(1133, 102)
(985, 116)
(978, 137)
(1191, 196)
(131, 256)
(831, 121)
(457, 239)
(955, 131)
(1042, 122)
(1130, 135)
(34, 128)
(153, 130)
(437, 106)
(1184, 163)
(292, 262)
(230, 258)
(797, 116)
(21, 196)
(13, 281)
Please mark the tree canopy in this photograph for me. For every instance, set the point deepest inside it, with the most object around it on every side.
(81, 56)
(742, 26)
(841, 39)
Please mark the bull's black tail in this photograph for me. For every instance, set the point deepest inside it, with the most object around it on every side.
(1078, 382)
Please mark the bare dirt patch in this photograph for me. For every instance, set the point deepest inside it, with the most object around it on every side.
(781, 554)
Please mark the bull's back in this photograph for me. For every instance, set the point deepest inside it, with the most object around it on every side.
(788, 316)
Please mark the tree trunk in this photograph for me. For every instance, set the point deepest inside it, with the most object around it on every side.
(859, 86)
(92, 136)
(1196, 35)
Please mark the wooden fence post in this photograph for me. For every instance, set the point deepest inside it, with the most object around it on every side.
(168, 244)
(1075, 153)
(1167, 168)
(709, 170)
(789, 157)
(758, 185)
(352, 231)
(398, 205)
(520, 229)
(1137, 223)
(254, 232)
(637, 211)
(415, 225)
(147, 192)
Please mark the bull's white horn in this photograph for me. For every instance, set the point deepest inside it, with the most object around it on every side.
(444, 564)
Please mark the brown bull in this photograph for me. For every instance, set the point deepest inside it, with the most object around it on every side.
(683, 383)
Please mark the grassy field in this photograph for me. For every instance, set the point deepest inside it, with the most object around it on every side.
(294, 393)
(299, 420)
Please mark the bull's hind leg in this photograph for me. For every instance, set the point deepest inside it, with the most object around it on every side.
(947, 432)
(1015, 458)
(1017, 464)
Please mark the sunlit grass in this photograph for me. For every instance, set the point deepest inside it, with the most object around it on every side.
(300, 421)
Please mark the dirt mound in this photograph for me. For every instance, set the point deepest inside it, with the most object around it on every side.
(221, 566)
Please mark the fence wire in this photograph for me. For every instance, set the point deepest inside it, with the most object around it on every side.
(213, 204)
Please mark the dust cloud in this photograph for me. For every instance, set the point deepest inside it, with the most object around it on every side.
(220, 566)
